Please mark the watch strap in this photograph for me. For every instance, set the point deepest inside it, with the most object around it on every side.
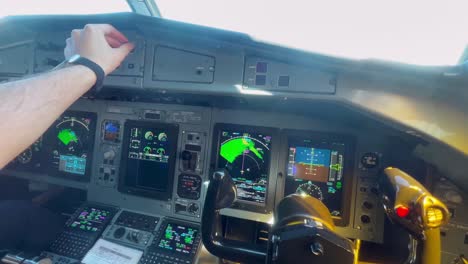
(100, 74)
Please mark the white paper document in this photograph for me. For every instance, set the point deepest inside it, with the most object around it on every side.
(105, 252)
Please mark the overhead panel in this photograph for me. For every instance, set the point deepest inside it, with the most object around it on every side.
(176, 65)
(265, 74)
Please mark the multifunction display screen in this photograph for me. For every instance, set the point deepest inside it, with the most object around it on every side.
(316, 167)
(69, 143)
(178, 238)
(246, 156)
(149, 158)
(91, 219)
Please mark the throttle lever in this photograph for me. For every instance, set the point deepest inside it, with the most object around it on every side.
(408, 204)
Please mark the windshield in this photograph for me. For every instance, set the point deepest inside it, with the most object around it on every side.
(36, 7)
(417, 32)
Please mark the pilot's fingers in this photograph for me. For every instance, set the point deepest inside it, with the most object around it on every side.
(122, 51)
(68, 48)
(114, 43)
(75, 35)
(108, 30)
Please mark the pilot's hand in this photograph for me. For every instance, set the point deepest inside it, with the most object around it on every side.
(101, 43)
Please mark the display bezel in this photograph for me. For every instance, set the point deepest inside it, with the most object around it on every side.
(292, 136)
(270, 192)
(49, 141)
(172, 129)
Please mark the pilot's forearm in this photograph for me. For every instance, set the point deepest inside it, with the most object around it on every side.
(28, 107)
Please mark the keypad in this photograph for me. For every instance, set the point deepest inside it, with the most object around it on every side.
(72, 244)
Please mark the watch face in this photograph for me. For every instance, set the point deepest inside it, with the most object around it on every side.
(73, 58)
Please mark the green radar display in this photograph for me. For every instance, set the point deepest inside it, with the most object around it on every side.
(246, 156)
(67, 136)
(70, 142)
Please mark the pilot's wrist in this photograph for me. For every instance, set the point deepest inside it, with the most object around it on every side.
(85, 73)
(92, 66)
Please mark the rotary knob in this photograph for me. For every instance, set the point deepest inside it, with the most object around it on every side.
(109, 155)
(193, 208)
(134, 236)
(119, 232)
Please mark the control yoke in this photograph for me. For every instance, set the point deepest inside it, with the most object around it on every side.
(408, 204)
(221, 194)
(303, 231)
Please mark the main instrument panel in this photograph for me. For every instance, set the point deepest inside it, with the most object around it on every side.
(157, 158)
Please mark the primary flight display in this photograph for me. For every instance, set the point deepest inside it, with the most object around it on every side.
(316, 168)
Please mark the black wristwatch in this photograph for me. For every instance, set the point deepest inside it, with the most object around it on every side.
(78, 60)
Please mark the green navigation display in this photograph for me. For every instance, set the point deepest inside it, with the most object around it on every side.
(246, 156)
(67, 136)
(237, 147)
(71, 143)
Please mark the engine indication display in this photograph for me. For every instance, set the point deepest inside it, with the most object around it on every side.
(246, 156)
(70, 143)
(148, 159)
(316, 168)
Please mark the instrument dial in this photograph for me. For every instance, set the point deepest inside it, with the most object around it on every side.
(25, 157)
(310, 189)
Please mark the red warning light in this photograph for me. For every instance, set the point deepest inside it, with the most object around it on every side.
(402, 211)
